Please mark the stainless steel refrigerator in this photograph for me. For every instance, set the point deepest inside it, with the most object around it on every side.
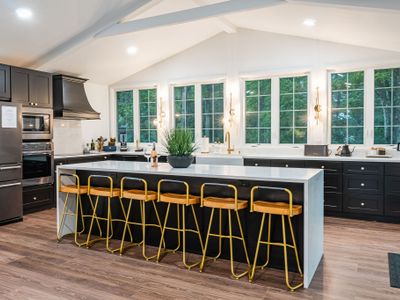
(10, 163)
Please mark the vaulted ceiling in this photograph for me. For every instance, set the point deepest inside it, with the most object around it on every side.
(80, 37)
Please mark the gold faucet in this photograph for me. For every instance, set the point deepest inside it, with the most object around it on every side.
(228, 139)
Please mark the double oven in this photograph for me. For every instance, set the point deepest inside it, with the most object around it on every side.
(37, 146)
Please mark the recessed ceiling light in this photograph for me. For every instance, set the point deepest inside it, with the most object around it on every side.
(131, 50)
(309, 22)
(24, 13)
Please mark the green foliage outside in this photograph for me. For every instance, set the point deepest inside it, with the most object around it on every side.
(212, 102)
(148, 115)
(347, 117)
(185, 108)
(125, 114)
(293, 102)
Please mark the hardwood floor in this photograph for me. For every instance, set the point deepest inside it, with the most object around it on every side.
(34, 266)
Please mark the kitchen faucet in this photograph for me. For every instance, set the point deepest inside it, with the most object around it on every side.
(228, 139)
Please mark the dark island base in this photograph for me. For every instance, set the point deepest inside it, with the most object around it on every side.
(250, 221)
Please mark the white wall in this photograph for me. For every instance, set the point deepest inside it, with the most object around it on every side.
(249, 53)
(70, 136)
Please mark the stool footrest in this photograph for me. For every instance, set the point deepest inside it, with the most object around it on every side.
(276, 244)
(225, 236)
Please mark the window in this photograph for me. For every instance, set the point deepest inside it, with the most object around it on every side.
(184, 107)
(293, 109)
(212, 103)
(258, 111)
(347, 116)
(125, 115)
(387, 106)
(148, 115)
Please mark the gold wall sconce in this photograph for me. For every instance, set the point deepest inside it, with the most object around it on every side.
(317, 108)
(231, 112)
(161, 115)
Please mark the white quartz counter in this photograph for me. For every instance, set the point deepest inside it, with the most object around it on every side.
(200, 170)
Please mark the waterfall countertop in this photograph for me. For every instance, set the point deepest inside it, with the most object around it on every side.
(200, 170)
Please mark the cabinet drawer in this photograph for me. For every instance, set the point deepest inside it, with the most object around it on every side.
(392, 185)
(363, 168)
(332, 182)
(368, 183)
(257, 162)
(333, 201)
(327, 166)
(10, 172)
(363, 203)
(37, 195)
(392, 169)
(287, 163)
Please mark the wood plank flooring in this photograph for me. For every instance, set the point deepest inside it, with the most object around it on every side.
(34, 266)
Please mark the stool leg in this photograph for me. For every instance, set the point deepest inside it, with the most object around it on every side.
(62, 218)
(78, 205)
(82, 218)
(91, 222)
(143, 206)
(207, 239)
(295, 246)
(94, 210)
(163, 232)
(268, 241)
(292, 288)
(236, 276)
(125, 216)
(121, 249)
(253, 269)
(179, 228)
(220, 236)
(242, 238)
(109, 227)
(158, 219)
(197, 228)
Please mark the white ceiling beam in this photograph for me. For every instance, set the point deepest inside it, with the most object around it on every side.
(188, 15)
(88, 34)
(366, 4)
(224, 24)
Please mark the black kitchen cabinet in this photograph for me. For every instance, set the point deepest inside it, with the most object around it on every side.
(392, 190)
(31, 88)
(363, 203)
(37, 198)
(287, 163)
(257, 162)
(5, 87)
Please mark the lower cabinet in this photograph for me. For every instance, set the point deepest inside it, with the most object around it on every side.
(37, 198)
(333, 201)
(392, 196)
(363, 203)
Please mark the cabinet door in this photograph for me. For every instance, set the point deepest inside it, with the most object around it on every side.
(392, 169)
(333, 201)
(40, 89)
(20, 85)
(257, 162)
(5, 93)
(37, 198)
(363, 168)
(392, 198)
(367, 183)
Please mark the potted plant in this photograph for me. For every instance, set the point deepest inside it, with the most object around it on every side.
(178, 144)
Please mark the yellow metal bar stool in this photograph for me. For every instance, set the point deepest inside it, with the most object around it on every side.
(181, 201)
(110, 193)
(143, 196)
(282, 209)
(228, 204)
(76, 189)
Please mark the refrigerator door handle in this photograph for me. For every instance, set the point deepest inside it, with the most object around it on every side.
(10, 168)
(9, 185)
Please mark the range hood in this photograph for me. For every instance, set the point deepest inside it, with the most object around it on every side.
(69, 99)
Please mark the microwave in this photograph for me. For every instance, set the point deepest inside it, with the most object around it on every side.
(37, 124)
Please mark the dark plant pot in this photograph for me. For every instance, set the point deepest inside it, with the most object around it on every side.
(180, 161)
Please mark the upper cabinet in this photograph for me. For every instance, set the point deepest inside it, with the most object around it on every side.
(5, 93)
(31, 88)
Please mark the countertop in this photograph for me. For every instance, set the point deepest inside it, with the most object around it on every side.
(200, 170)
(361, 158)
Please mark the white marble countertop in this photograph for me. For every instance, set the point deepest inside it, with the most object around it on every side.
(394, 159)
(200, 170)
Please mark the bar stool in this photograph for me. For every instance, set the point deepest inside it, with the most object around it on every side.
(109, 192)
(276, 208)
(76, 189)
(228, 204)
(143, 196)
(181, 201)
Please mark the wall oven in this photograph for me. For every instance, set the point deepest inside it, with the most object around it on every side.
(37, 163)
(37, 124)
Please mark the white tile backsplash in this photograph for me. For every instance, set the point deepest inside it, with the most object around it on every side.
(67, 137)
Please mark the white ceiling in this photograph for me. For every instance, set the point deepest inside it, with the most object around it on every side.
(104, 60)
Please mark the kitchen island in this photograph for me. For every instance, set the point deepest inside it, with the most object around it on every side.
(306, 185)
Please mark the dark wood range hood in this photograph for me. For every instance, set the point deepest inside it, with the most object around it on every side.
(70, 100)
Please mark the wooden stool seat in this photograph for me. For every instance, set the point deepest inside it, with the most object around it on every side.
(179, 198)
(277, 208)
(73, 189)
(224, 203)
(105, 192)
(139, 195)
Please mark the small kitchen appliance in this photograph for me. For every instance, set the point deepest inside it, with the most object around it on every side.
(344, 150)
